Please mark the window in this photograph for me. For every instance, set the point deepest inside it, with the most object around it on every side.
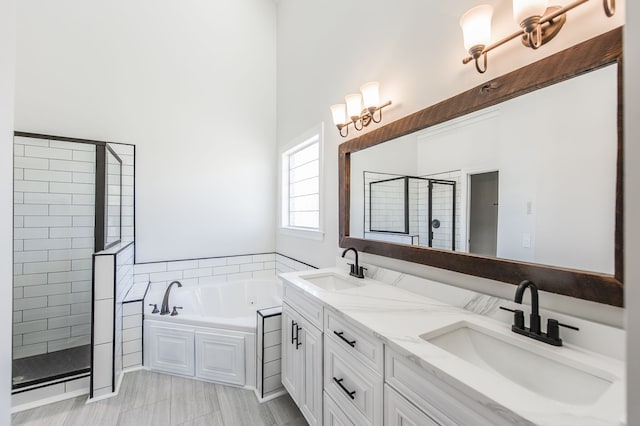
(301, 184)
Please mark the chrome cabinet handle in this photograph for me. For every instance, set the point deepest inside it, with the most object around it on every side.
(351, 343)
(350, 393)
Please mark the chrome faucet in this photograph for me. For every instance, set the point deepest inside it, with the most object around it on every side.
(164, 310)
(356, 270)
(552, 336)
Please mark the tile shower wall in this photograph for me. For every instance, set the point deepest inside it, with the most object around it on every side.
(442, 199)
(127, 155)
(53, 244)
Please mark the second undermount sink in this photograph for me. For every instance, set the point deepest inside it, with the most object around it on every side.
(554, 377)
(332, 281)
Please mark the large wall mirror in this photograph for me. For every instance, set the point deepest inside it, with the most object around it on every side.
(519, 178)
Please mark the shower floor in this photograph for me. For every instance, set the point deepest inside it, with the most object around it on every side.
(54, 365)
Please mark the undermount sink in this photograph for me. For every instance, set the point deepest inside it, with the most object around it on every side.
(552, 376)
(332, 281)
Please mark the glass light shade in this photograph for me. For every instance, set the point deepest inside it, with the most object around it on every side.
(339, 113)
(370, 94)
(354, 104)
(476, 26)
(523, 9)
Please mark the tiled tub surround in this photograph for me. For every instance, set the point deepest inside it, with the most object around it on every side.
(54, 198)
(390, 311)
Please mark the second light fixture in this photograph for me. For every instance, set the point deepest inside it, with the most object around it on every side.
(359, 109)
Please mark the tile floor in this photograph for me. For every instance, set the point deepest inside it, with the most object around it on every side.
(152, 399)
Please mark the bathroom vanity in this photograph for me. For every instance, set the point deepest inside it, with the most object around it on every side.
(362, 352)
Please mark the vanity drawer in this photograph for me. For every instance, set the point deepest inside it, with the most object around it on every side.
(354, 340)
(353, 386)
(443, 403)
(309, 308)
(333, 415)
(398, 411)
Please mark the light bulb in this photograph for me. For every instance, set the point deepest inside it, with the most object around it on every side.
(476, 26)
(354, 104)
(370, 94)
(339, 114)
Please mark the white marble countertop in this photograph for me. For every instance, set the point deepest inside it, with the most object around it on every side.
(399, 317)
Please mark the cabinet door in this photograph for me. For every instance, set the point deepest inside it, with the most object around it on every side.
(220, 357)
(171, 350)
(291, 359)
(400, 412)
(311, 351)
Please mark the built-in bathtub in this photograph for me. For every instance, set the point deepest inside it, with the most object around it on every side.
(213, 337)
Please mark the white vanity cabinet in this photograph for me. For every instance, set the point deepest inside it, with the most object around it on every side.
(398, 411)
(302, 363)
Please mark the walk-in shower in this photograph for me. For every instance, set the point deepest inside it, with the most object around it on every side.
(67, 206)
(411, 210)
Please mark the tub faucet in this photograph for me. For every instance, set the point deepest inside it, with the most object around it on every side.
(356, 270)
(164, 310)
(552, 336)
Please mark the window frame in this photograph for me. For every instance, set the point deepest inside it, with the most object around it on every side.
(295, 145)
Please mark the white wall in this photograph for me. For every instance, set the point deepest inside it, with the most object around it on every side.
(191, 83)
(328, 49)
(632, 209)
(7, 75)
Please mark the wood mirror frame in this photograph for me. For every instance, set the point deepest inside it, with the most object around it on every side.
(600, 51)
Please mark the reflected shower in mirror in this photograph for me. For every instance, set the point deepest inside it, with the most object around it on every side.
(531, 179)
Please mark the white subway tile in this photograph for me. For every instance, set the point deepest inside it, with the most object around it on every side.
(58, 345)
(102, 365)
(29, 280)
(17, 269)
(127, 170)
(165, 276)
(236, 260)
(67, 277)
(18, 197)
(69, 232)
(79, 146)
(47, 175)
(80, 308)
(83, 200)
(81, 264)
(45, 290)
(197, 273)
(30, 233)
(37, 198)
(30, 256)
(79, 177)
(46, 221)
(132, 334)
(77, 385)
(131, 308)
(18, 150)
(268, 257)
(132, 360)
(84, 156)
(18, 292)
(18, 174)
(250, 267)
(17, 340)
(17, 317)
(49, 312)
(70, 254)
(131, 321)
(47, 244)
(132, 346)
(81, 330)
(69, 210)
(144, 268)
(83, 221)
(80, 286)
(31, 350)
(231, 269)
(41, 267)
(269, 265)
(81, 243)
(267, 273)
(68, 321)
(216, 261)
(31, 163)
(31, 210)
(46, 335)
(29, 327)
(68, 298)
(30, 186)
(72, 188)
(71, 166)
(29, 303)
(50, 153)
(182, 265)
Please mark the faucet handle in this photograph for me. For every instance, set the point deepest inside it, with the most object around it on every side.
(175, 312)
(155, 308)
(518, 317)
(353, 268)
(553, 331)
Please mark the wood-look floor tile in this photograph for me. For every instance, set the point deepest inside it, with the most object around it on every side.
(239, 407)
(157, 414)
(51, 414)
(142, 387)
(99, 413)
(211, 419)
(191, 399)
(285, 411)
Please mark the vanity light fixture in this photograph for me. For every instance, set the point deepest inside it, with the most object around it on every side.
(539, 23)
(353, 112)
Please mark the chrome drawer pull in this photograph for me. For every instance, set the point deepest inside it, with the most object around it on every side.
(339, 382)
(351, 343)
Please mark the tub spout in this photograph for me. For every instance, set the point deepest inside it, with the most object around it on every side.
(165, 301)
